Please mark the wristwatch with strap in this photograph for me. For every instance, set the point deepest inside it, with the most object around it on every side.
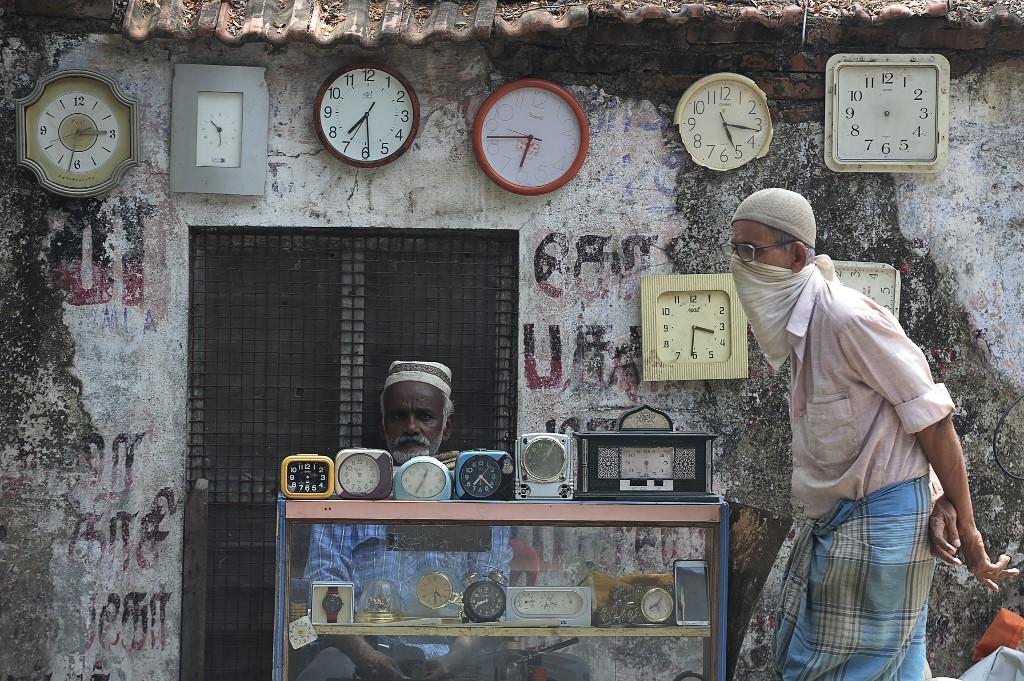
(332, 604)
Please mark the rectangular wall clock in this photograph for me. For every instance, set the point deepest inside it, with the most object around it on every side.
(219, 119)
(876, 280)
(694, 327)
(886, 113)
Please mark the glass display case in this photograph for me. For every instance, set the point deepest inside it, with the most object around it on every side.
(500, 591)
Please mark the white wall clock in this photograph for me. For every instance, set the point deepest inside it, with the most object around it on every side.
(694, 328)
(886, 113)
(878, 281)
(724, 121)
(530, 136)
(77, 132)
(219, 119)
(367, 115)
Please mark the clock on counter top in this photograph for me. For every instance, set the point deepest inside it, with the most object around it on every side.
(366, 115)
(694, 328)
(219, 122)
(886, 113)
(531, 136)
(307, 476)
(77, 132)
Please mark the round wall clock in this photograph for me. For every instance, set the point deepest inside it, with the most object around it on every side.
(724, 121)
(530, 136)
(366, 115)
(77, 132)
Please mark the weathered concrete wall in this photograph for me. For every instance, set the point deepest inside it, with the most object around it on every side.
(94, 332)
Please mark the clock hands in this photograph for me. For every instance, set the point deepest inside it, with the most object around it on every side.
(514, 137)
(364, 117)
(84, 131)
(726, 126)
(693, 333)
(529, 141)
(741, 127)
(219, 131)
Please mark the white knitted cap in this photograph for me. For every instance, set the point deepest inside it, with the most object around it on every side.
(431, 373)
(782, 209)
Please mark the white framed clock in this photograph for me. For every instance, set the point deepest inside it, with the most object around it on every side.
(724, 121)
(694, 328)
(878, 281)
(219, 121)
(366, 115)
(77, 132)
(531, 136)
(886, 113)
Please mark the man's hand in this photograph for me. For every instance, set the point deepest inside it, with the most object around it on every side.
(374, 664)
(437, 668)
(979, 564)
(945, 540)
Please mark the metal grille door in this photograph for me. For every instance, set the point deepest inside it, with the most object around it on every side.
(291, 334)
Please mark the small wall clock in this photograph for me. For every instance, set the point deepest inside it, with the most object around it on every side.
(724, 121)
(77, 132)
(878, 281)
(694, 328)
(530, 136)
(886, 113)
(219, 120)
(366, 115)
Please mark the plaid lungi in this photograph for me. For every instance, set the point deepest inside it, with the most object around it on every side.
(855, 591)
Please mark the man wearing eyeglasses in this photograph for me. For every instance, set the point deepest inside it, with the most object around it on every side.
(867, 420)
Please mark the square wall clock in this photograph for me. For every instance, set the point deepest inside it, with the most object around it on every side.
(219, 119)
(886, 113)
(878, 281)
(693, 327)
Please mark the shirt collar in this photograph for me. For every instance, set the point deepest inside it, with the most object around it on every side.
(800, 318)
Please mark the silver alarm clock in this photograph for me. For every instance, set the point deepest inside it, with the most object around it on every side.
(545, 467)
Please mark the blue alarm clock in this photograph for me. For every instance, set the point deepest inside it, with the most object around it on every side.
(423, 478)
(484, 474)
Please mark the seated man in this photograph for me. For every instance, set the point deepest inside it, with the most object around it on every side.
(416, 410)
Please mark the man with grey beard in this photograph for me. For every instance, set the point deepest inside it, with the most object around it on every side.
(416, 415)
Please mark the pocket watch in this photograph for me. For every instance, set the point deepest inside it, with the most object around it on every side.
(77, 132)
(656, 606)
(366, 115)
(434, 590)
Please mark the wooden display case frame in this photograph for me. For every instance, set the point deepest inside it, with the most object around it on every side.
(713, 516)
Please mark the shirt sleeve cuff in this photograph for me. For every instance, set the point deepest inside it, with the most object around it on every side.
(921, 412)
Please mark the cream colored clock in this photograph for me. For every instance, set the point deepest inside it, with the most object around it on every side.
(886, 113)
(876, 280)
(77, 132)
(434, 590)
(694, 328)
(724, 121)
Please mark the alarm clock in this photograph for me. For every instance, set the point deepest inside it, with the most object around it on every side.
(484, 599)
(569, 605)
(332, 602)
(363, 473)
(636, 465)
(545, 466)
(423, 478)
(484, 474)
(307, 476)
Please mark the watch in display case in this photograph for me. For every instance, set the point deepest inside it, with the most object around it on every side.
(484, 474)
(434, 590)
(545, 466)
(484, 599)
(656, 606)
(364, 473)
(331, 602)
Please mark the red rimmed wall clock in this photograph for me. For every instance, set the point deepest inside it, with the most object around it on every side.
(530, 136)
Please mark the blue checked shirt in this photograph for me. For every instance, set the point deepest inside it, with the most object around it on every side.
(358, 553)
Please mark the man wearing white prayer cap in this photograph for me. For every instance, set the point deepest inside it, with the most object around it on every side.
(416, 408)
(867, 420)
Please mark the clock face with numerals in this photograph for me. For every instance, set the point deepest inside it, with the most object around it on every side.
(367, 115)
(77, 132)
(887, 113)
(693, 327)
(878, 281)
(530, 136)
(307, 476)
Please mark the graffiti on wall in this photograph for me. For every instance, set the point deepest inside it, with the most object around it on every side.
(123, 534)
(599, 358)
(133, 621)
(584, 264)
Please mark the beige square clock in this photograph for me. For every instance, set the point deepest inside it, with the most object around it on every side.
(693, 328)
(886, 113)
(878, 281)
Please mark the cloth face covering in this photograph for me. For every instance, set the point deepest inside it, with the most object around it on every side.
(768, 294)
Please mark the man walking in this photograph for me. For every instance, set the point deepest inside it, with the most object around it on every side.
(867, 420)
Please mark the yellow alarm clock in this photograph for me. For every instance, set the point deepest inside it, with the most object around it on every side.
(307, 476)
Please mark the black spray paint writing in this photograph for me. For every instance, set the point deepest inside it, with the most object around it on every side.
(594, 252)
(596, 360)
(132, 621)
(125, 534)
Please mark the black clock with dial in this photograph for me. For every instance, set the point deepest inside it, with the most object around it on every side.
(484, 601)
(484, 474)
(307, 476)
